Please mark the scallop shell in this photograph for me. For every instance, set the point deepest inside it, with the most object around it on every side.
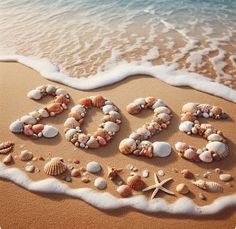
(132, 108)
(161, 149)
(61, 91)
(55, 166)
(92, 143)
(100, 183)
(87, 102)
(186, 126)
(215, 137)
(188, 117)
(55, 108)
(50, 89)
(159, 110)
(61, 99)
(181, 146)
(164, 117)
(127, 146)
(158, 103)
(17, 126)
(75, 115)
(49, 131)
(27, 119)
(78, 109)
(25, 155)
(71, 123)
(219, 148)
(108, 108)
(190, 107)
(213, 187)
(93, 167)
(111, 127)
(70, 133)
(98, 101)
(189, 154)
(200, 184)
(206, 156)
(34, 94)
(115, 114)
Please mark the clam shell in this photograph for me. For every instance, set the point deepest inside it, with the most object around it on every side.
(161, 149)
(34, 94)
(55, 166)
(215, 137)
(98, 101)
(44, 113)
(132, 108)
(100, 183)
(124, 191)
(93, 167)
(158, 103)
(78, 109)
(71, 123)
(189, 154)
(159, 110)
(17, 126)
(182, 189)
(111, 127)
(127, 146)
(164, 117)
(115, 114)
(61, 91)
(69, 134)
(213, 187)
(25, 155)
(135, 182)
(92, 143)
(219, 148)
(181, 146)
(186, 126)
(108, 108)
(190, 107)
(55, 108)
(225, 177)
(50, 89)
(206, 156)
(27, 119)
(49, 131)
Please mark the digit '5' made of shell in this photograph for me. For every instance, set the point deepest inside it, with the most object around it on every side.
(209, 186)
(55, 166)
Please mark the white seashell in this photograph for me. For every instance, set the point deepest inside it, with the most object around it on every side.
(189, 154)
(164, 117)
(111, 127)
(93, 167)
(44, 113)
(71, 123)
(190, 107)
(145, 173)
(158, 103)
(34, 94)
(200, 184)
(115, 114)
(35, 114)
(213, 187)
(100, 183)
(92, 143)
(27, 119)
(143, 132)
(127, 145)
(78, 109)
(205, 115)
(69, 134)
(49, 131)
(55, 166)
(219, 148)
(108, 102)
(50, 89)
(107, 108)
(25, 155)
(61, 91)
(159, 110)
(186, 126)
(215, 137)
(194, 130)
(140, 101)
(225, 177)
(206, 156)
(29, 168)
(17, 126)
(181, 146)
(161, 149)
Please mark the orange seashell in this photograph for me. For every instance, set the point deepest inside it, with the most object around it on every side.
(132, 108)
(124, 191)
(135, 182)
(61, 99)
(75, 115)
(150, 101)
(37, 128)
(98, 101)
(101, 132)
(101, 140)
(55, 108)
(109, 118)
(87, 102)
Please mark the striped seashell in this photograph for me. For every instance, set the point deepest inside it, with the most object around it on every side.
(55, 166)
(219, 148)
(200, 184)
(213, 186)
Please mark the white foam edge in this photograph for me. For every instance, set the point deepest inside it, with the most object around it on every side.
(169, 74)
(106, 201)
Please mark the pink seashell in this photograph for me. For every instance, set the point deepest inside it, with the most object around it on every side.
(75, 173)
(37, 128)
(101, 140)
(8, 159)
(28, 130)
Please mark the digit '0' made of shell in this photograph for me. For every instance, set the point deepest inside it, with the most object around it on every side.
(137, 143)
(55, 166)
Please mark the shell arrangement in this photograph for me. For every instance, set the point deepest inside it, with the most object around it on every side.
(216, 148)
(29, 124)
(110, 123)
(137, 142)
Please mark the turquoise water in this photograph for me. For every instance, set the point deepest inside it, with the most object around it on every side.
(84, 37)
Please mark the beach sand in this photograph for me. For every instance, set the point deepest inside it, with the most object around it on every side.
(20, 208)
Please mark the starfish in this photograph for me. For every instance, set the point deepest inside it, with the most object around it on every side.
(158, 186)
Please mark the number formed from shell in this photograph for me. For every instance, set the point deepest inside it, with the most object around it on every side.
(29, 124)
(216, 147)
(110, 123)
(137, 143)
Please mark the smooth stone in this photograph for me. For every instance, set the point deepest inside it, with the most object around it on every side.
(26, 155)
(159, 110)
(217, 147)
(29, 168)
(93, 167)
(61, 91)
(161, 149)
(145, 173)
(182, 189)
(225, 177)
(34, 94)
(17, 126)
(27, 119)
(100, 183)
(49, 131)
(158, 103)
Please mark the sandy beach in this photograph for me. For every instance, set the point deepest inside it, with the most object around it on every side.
(20, 208)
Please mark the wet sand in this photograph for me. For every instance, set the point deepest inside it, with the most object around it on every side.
(20, 208)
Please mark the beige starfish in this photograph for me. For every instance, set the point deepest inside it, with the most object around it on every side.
(158, 186)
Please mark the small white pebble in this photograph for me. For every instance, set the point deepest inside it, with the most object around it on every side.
(160, 172)
(145, 173)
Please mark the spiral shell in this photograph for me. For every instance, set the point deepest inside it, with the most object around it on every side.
(55, 166)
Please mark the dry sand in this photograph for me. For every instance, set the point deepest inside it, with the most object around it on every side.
(20, 208)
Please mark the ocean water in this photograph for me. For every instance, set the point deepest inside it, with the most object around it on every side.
(84, 38)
